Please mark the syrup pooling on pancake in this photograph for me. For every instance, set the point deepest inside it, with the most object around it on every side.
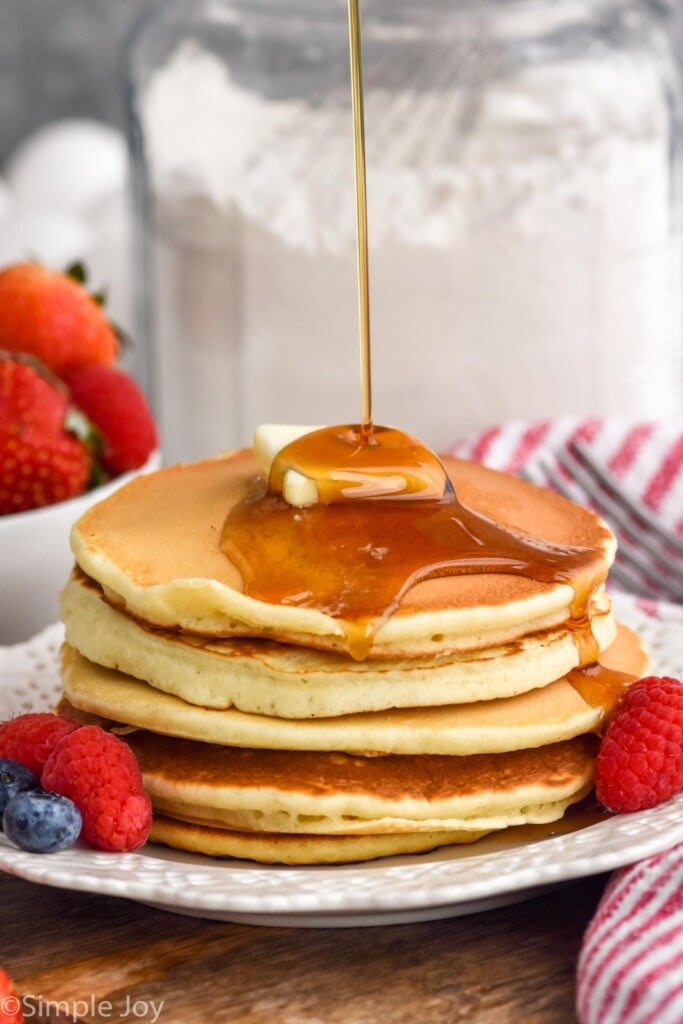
(374, 535)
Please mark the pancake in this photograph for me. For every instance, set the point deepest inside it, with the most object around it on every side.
(268, 678)
(180, 578)
(334, 793)
(312, 793)
(534, 719)
(271, 848)
(278, 822)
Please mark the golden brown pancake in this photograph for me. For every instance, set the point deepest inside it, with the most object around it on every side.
(555, 712)
(269, 678)
(155, 548)
(410, 788)
(337, 793)
(278, 848)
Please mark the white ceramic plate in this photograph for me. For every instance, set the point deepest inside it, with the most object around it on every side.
(448, 882)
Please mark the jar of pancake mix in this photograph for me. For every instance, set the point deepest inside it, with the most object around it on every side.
(524, 225)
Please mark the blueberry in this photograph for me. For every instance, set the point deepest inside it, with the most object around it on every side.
(41, 822)
(14, 778)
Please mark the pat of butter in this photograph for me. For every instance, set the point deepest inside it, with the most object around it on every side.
(269, 440)
(299, 490)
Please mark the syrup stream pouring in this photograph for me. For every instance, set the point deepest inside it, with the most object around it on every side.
(356, 62)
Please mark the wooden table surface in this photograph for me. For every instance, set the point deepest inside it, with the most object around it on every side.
(106, 959)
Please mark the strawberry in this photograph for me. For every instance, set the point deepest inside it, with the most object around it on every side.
(41, 462)
(114, 403)
(11, 1011)
(51, 316)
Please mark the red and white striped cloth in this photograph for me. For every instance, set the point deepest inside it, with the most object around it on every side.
(646, 458)
(630, 968)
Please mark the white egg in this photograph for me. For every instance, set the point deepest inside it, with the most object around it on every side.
(72, 164)
(54, 237)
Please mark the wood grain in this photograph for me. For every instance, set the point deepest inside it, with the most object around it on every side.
(113, 960)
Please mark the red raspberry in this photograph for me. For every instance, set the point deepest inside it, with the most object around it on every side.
(30, 739)
(640, 761)
(10, 1003)
(116, 405)
(100, 774)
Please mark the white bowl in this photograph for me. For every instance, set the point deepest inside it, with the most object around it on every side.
(35, 558)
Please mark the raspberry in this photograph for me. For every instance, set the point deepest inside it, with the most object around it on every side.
(10, 1003)
(29, 739)
(640, 761)
(100, 774)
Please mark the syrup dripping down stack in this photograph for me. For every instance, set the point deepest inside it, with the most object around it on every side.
(464, 711)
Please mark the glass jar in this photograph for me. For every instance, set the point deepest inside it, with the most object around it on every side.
(522, 205)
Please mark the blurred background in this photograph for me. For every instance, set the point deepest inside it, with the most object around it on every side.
(61, 61)
(524, 183)
(61, 58)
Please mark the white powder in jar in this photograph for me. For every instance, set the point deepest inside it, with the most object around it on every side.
(527, 266)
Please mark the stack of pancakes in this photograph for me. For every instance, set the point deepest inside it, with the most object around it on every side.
(259, 736)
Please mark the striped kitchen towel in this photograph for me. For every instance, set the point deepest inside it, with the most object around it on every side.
(630, 968)
(646, 458)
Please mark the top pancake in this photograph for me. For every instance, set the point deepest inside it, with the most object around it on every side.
(154, 547)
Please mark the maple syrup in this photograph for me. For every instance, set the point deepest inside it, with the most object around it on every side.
(387, 516)
(577, 817)
(356, 74)
(581, 630)
(350, 463)
(600, 687)
(355, 558)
